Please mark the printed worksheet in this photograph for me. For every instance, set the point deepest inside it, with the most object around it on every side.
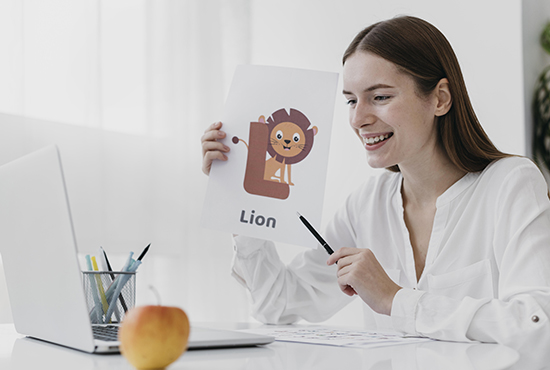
(333, 336)
(278, 123)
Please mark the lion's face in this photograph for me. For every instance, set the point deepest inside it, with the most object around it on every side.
(287, 139)
(290, 136)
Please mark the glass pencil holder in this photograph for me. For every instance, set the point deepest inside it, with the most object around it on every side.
(109, 295)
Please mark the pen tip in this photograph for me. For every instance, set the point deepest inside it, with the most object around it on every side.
(144, 251)
(298, 213)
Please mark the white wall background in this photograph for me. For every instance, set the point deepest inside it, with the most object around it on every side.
(126, 88)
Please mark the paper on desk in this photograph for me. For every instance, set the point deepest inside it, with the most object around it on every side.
(334, 337)
(279, 124)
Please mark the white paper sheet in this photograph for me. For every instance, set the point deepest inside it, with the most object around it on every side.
(325, 335)
(249, 194)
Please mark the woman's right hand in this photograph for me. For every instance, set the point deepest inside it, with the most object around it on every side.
(211, 148)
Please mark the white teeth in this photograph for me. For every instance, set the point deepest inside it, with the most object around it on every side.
(376, 139)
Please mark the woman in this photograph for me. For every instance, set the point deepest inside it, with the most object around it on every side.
(452, 243)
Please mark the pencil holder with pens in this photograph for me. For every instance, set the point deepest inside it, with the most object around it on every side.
(109, 295)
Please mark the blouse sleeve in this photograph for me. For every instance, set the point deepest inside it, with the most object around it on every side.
(518, 316)
(305, 289)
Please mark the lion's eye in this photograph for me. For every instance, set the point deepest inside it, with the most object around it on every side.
(296, 137)
(279, 135)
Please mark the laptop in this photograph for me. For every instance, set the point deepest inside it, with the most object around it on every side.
(39, 253)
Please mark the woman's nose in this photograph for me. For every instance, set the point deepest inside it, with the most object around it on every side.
(361, 115)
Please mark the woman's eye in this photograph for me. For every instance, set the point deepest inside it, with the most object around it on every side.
(351, 102)
(382, 97)
(279, 135)
(296, 137)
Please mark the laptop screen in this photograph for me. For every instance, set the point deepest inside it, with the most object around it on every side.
(39, 252)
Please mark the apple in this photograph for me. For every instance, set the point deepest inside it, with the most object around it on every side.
(152, 337)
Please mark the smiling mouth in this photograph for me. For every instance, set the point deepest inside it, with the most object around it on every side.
(378, 139)
(286, 147)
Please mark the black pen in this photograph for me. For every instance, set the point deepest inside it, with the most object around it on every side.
(109, 268)
(144, 252)
(315, 234)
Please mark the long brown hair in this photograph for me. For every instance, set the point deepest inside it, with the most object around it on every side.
(419, 49)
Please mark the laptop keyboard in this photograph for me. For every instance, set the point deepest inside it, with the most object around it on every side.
(107, 333)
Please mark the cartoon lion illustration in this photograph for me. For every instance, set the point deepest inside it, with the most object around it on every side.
(287, 138)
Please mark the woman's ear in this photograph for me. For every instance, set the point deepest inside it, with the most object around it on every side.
(444, 98)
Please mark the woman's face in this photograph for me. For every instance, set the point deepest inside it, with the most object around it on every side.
(396, 125)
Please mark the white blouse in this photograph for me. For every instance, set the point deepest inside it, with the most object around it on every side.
(487, 271)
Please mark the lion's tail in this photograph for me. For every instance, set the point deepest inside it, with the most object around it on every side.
(236, 140)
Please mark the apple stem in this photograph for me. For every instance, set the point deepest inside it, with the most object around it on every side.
(156, 293)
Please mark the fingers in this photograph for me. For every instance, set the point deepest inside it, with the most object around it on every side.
(344, 257)
(353, 259)
(344, 278)
(213, 146)
(210, 157)
(348, 290)
(344, 274)
(359, 272)
(212, 133)
(340, 254)
(214, 126)
(212, 149)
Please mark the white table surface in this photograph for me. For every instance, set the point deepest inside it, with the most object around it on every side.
(18, 353)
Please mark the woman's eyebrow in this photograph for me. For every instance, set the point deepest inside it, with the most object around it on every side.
(378, 86)
(371, 88)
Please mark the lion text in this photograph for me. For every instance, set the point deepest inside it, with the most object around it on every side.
(257, 219)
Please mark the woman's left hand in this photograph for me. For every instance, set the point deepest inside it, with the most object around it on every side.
(359, 272)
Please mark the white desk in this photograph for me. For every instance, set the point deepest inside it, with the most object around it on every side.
(20, 353)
